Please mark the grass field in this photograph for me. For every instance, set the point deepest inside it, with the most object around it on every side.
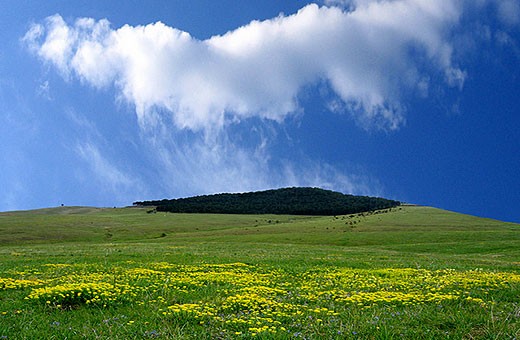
(412, 273)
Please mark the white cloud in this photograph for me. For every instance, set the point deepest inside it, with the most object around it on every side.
(259, 69)
(57, 47)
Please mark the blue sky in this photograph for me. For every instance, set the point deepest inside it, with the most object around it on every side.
(103, 103)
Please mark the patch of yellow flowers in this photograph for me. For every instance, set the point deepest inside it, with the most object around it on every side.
(11, 283)
(70, 294)
(248, 299)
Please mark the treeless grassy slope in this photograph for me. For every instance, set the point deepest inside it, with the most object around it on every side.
(414, 232)
(412, 272)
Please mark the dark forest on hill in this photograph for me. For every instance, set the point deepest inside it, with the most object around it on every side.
(290, 201)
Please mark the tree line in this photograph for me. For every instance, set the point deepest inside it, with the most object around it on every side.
(287, 201)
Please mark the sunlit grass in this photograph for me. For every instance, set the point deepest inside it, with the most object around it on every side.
(220, 281)
(240, 300)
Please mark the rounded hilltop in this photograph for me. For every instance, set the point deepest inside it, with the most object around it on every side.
(292, 201)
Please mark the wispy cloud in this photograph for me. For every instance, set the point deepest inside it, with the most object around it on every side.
(192, 166)
(106, 176)
(509, 11)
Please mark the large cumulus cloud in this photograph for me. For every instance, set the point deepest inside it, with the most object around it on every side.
(368, 57)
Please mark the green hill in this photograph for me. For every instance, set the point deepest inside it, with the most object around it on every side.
(292, 201)
(406, 272)
(413, 234)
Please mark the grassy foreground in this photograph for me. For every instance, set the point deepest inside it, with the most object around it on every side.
(412, 272)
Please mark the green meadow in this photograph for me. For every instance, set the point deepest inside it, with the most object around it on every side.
(408, 272)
